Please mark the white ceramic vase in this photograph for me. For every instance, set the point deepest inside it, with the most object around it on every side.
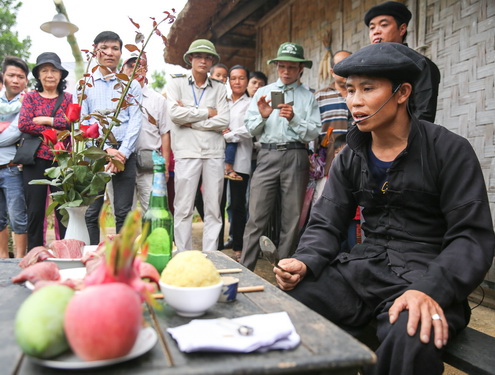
(76, 228)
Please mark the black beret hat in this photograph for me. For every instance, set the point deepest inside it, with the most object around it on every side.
(394, 61)
(389, 8)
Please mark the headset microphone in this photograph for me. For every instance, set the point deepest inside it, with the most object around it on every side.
(379, 109)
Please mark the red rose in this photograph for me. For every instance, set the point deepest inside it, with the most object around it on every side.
(49, 136)
(83, 128)
(90, 131)
(73, 112)
(58, 147)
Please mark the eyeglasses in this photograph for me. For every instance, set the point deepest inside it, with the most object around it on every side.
(202, 56)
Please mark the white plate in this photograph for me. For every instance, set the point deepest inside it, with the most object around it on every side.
(64, 263)
(145, 341)
(68, 273)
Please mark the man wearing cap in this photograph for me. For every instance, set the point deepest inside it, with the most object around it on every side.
(199, 110)
(387, 22)
(282, 166)
(429, 233)
(12, 201)
(101, 97)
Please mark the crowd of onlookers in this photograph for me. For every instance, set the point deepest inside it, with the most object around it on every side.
(215, 136)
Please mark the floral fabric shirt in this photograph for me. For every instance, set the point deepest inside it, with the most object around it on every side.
(34, 105)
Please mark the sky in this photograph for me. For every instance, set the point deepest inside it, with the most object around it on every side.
(92, 17)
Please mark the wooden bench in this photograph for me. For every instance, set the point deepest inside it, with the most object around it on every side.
(471, 351)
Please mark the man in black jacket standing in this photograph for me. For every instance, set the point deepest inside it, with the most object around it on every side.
(387, 22)
(429, 233)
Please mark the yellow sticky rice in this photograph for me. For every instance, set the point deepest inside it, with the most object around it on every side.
(190, 269)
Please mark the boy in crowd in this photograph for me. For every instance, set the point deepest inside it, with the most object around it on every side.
(219, 72)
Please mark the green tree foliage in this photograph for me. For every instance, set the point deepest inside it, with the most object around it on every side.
(158, 80)
(9, 39)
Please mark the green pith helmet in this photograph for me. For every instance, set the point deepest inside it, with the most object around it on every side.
(202, 46)
(289, 51)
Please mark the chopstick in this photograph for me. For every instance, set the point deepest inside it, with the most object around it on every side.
(243, 289)
(229, 270)
(248, 289)
(163, 341)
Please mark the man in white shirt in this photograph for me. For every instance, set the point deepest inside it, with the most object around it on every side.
(152, 136)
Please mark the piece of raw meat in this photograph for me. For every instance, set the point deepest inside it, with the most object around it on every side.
(148, 271)
(37, 272)
(67, 249)
(35, 255)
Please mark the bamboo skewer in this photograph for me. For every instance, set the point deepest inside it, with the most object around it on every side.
(243, 289)
(229, 270)
(163, 342)
(248, 289)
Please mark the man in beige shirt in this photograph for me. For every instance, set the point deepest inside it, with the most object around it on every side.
(199, 111)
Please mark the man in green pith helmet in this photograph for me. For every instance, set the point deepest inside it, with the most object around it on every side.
(283, 165)
(199, 110)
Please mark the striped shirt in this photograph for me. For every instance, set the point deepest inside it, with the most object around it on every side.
(333, 109)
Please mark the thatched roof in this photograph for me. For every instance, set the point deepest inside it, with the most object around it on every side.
(229, 24)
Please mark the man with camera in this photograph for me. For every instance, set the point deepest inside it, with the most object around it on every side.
(285, 117)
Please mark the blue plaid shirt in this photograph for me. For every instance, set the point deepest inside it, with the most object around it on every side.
(99, 97)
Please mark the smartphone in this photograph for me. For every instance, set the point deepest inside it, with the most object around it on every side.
(277, 97)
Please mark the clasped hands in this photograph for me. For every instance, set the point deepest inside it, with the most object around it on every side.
(286, 110)
(111, 167)
(422, 308)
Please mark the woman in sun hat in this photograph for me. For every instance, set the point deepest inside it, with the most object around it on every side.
(36, 117)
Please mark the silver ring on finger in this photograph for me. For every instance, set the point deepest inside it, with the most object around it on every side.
(436, 317)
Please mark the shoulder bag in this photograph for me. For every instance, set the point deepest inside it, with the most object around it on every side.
(29, 143)
(145, 160)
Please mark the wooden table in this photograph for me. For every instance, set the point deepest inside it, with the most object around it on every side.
(324, 347)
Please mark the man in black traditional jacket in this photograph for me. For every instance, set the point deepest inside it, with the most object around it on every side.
(429, 232)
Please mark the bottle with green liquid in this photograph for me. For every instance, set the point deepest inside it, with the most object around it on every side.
(159, 217)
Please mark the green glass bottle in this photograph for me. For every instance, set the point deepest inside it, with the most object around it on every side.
(159, 217)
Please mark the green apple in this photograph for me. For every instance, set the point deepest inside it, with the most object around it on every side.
(39, 323)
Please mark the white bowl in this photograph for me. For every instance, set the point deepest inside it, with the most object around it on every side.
(191, 301)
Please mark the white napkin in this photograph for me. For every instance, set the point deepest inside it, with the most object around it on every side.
(270, 332)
